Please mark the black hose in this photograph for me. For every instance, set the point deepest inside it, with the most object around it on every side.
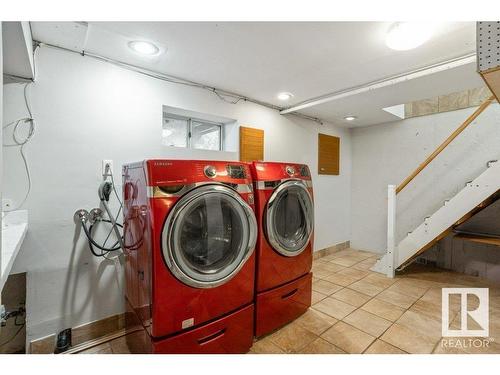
(92, 243)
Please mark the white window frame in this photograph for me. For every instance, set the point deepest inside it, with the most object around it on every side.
(189, 129)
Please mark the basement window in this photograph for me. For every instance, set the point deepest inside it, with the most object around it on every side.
(180, 131)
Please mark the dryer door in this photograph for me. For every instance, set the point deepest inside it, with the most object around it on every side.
(208, 236)
(290, 218)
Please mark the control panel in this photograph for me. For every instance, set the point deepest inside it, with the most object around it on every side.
(236, 171)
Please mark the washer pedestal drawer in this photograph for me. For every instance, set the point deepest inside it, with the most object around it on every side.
(231, 334)
(279, 306)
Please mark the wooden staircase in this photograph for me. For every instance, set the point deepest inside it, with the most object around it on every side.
(480, 238)
(472, 199)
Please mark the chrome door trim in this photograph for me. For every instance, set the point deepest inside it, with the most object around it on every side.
(269, 214)
(157, 192)
(261, 185)
(167, 237)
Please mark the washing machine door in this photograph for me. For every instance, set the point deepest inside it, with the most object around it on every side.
(290, 218)
(208, 236)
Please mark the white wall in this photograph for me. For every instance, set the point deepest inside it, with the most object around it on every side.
(87, 110)
(388, 153)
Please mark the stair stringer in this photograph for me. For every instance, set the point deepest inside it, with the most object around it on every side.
(438, 224)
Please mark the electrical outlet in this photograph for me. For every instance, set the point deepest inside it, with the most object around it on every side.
(6, 204)
(107, 167)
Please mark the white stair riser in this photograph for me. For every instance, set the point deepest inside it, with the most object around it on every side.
(473, 194)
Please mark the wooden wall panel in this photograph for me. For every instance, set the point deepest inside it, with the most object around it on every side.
(328, 154)
(251, 144)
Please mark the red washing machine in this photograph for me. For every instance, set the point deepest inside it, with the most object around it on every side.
(285, 215)
(189, 236)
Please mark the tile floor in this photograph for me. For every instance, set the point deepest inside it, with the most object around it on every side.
(355, 310)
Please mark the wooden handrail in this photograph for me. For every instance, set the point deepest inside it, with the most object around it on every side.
(443, 145)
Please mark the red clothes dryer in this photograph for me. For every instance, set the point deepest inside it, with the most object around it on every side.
(189, 235)
(285, 215)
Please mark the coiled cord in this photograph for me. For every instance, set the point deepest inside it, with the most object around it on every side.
(22, 142)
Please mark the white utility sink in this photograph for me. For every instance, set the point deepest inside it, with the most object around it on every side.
(14, 228)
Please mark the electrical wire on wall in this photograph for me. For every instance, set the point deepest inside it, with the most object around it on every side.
(224, 95)
(90, 221)
(21, 141)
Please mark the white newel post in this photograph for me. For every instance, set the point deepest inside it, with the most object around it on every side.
(391, 229)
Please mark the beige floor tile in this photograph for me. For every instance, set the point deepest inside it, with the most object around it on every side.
(325, 287)
(332, 256)
(406, 287)
(359, 256)
(44, 345)
(346, 261)
(339, 253)
(292, 337)
(353, 273)
(320, 346)
(104, 348)
(365, 287)
(345, 252)
(334, 308)
(381, 347)
(320, 274)
(315, 321)
(319, 271)
(366, 254)
(495, 301)
(119, 346)
(323, 270)
(434, 296)
(383, 309)
(421, 283)
(343, 280)
(408, 340)
(421, 323)
(348, 338)
(379, 280)
(397, 299)
(366, 264)
(494, 292)
(432, 310)
(351, 297)
(332, 267)
(321, 260)
(367, 322)
(265, 346)
(326, 258)
(317, 296)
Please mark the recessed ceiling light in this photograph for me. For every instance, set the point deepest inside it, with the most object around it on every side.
(143, 47)
(403, 36)
(350, 118)
(285, 96)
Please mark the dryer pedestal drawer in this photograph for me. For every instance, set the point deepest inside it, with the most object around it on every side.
(279, 306)
(230, 334)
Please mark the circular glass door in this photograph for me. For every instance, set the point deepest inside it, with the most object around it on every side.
(290, 218)
(208, 236)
